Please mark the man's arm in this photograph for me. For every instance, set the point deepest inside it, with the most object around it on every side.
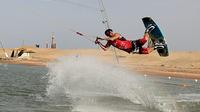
(116, 36)
(104, 47)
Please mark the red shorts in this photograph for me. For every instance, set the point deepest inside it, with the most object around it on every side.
(140, 43)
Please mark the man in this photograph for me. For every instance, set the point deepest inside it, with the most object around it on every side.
(130, 46)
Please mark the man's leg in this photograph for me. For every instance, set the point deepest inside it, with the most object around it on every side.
(143, 40)
(145, 50)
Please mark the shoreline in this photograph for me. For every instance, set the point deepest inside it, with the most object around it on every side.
(178, 64)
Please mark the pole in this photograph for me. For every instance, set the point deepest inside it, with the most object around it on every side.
(4, 49)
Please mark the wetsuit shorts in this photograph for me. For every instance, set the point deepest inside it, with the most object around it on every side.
(137, 44)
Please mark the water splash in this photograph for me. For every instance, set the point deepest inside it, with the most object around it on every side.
(86, 76)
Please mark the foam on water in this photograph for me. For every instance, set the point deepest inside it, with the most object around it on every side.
(81, 77)
(188, 98)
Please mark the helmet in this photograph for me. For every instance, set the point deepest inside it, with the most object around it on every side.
(107, 32)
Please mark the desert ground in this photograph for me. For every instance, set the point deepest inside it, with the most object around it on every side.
(178, 64)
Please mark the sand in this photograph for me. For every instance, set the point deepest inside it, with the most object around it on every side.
(178, 64)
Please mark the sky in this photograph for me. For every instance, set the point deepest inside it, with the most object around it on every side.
(32, 22)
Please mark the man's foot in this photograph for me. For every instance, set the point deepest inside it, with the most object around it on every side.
(159, 46)
(149, 29)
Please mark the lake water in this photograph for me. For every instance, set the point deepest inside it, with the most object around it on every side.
(84, 84)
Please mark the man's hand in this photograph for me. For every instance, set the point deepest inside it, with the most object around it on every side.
(96, 41)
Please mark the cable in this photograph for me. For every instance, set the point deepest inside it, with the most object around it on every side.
(106, 22)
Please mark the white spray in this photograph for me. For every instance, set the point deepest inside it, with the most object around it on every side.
(77, 76)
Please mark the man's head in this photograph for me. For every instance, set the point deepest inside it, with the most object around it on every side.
(109, 32)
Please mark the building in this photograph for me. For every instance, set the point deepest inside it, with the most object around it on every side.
(53, 43)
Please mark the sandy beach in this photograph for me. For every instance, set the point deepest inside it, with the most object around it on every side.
(178, 64)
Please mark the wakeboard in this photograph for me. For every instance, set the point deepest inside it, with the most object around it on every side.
(156, 36)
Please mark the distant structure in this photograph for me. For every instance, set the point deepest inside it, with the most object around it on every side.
(4, 49)
(47, 45)
(21, 53)
(37, 45)
(53, 43)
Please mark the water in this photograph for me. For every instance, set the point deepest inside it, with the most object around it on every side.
(84, 84)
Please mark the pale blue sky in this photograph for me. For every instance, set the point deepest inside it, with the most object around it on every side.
(34, 20)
